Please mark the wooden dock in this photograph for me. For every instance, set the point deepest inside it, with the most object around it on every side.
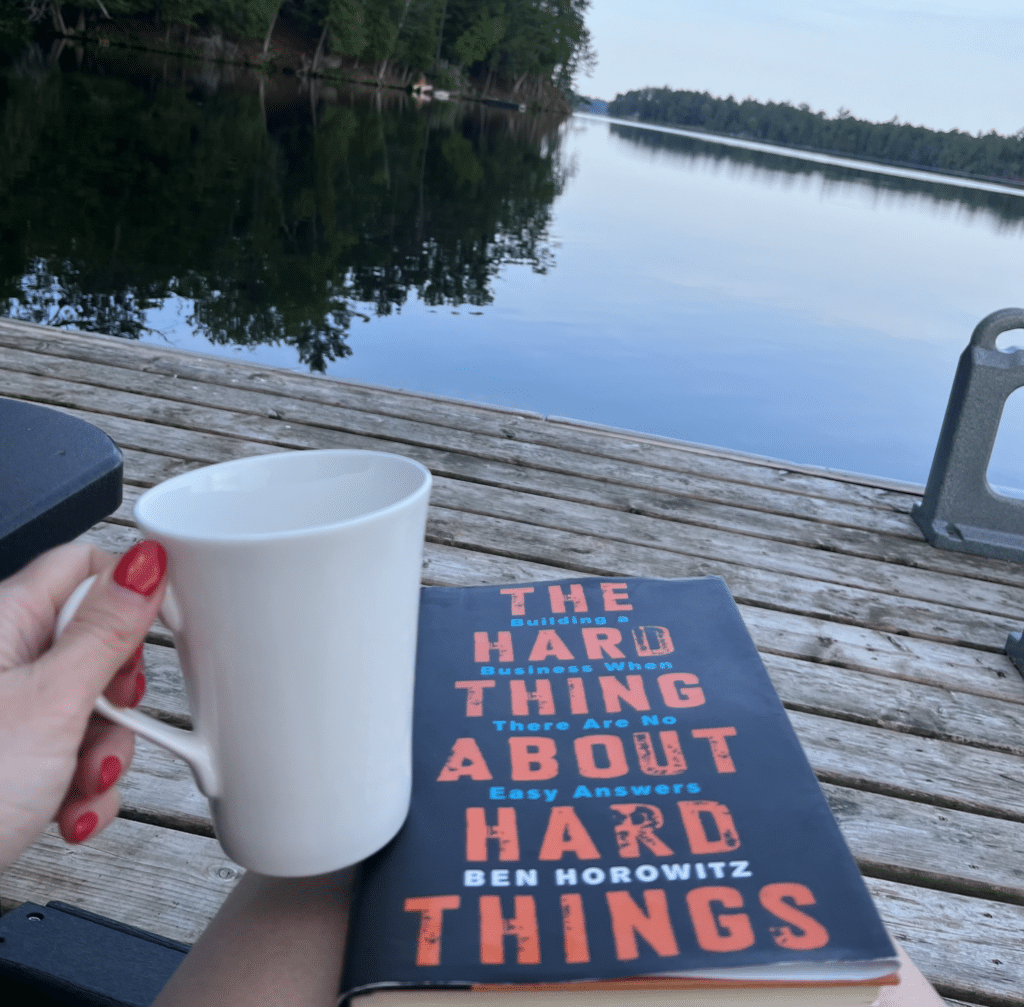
(887, 653)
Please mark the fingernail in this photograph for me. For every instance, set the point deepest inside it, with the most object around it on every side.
(110, 770)
(129, 665)
(142, 568)
(140, 690)
(83, 828)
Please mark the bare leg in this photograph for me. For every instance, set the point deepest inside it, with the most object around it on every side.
(275, 941)
(913, 991)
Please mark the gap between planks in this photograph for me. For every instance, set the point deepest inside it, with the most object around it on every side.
(588, 438)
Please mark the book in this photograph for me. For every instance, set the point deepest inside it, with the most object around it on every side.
(608, 801)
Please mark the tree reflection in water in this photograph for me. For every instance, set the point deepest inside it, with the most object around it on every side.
(280, 212)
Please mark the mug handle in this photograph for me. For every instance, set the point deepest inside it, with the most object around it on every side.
(187, 745)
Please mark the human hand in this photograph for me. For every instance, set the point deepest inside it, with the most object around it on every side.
(59, 760)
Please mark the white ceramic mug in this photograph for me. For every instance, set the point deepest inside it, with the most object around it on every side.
(293, 595)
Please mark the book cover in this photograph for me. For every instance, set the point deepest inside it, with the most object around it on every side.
(605, 785)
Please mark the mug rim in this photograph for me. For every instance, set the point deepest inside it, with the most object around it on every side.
(156, 530)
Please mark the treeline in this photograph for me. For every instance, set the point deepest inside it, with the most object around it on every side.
(1004, 210)
(506, 40)
(276, 224)
(989, 156)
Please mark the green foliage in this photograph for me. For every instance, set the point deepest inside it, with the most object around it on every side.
(116, 195)
(991, 156)
(510, 38)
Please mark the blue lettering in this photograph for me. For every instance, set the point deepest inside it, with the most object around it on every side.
(550, 795)
(499, 724)
(614, 665)
(641, 791)
(649, 721)
(602, 792)
(487, 670)
(515, 795)
(497, 793)
(514, 725)
(582, 791)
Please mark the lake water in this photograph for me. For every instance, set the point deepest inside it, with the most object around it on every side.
(642, 279)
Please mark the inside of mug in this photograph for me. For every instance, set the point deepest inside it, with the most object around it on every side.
(271, 494)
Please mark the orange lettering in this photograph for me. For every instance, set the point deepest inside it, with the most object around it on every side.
(676, 697)
(615, 598)
(575, 597)
(566, 834)
(478, 832)
(614, 691)
(602, 642)
(629, 833)
(719, 746)
(518, 600)
(540, 694)
(662, 641)
(482, 646)
(431, 910)
(494, 928)
(574, 930)
(549, 644)
(674, 762)
(474, 696)
(466, 760)
(652, 923)
(577, 696)
(532, 758)
(614, 754)
(693, 812)
(779, 900)
(721, 931)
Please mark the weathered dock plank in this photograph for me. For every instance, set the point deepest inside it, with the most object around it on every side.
(887, 654)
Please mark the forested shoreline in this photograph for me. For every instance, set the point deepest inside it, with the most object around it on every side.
(267, 217)
(529, 51)
(988, 156)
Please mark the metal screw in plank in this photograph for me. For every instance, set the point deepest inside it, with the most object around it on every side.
(960, 511)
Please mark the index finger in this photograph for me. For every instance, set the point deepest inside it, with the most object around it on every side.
(31, 598)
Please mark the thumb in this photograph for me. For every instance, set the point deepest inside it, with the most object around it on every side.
(109, 625)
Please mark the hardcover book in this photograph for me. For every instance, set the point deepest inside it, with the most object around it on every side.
(609, 800)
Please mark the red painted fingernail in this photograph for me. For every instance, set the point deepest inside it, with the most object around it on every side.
(83, 828)
(129, 665)
(110, 770)
(140, 690)
(142, 568)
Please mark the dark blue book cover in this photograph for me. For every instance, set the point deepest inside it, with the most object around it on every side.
(605, 785)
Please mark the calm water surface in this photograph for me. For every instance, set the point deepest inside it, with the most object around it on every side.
(646, 280)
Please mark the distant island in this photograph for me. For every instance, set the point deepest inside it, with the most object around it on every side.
(990, 156)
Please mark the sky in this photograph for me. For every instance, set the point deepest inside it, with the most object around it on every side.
(940, 64)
